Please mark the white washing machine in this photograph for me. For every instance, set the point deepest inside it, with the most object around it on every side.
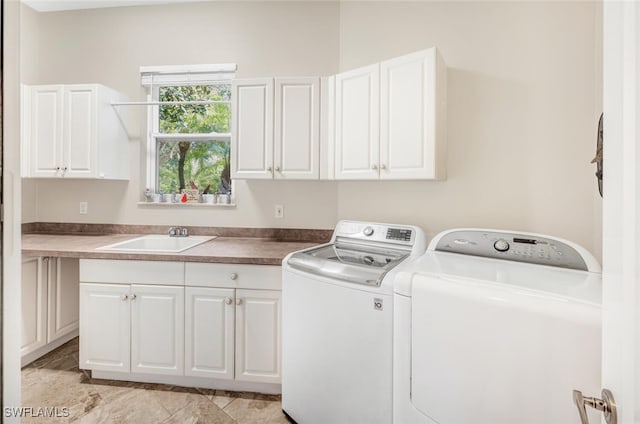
(495, 327)
(337, 312)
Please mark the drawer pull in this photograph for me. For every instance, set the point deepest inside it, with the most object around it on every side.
(238, 302)
(234, 276)
(228, 301)
(124, 297)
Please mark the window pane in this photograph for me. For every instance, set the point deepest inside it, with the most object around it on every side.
(205, 163)
(190, 119)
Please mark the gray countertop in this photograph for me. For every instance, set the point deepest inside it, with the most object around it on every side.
(240, 250)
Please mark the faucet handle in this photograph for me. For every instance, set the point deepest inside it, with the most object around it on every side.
(172, 232)
(184, 232)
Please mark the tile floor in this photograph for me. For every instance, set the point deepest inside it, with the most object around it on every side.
(55, 381)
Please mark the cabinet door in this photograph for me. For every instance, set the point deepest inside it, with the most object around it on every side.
(252, 129)
(63, 297)
(80, 132)
(407, 112)
(157, 329)
(104, 327)
(46, 130)
(209, 332)
(34, 306)
(297, 117)
(258, 331)
(357, 123)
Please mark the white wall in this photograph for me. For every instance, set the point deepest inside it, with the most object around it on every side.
(109, 45)
(11, 246)
(524, 98)
(522, 114)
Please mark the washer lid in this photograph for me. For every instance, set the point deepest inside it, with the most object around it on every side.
(565, 283)
(348, 262)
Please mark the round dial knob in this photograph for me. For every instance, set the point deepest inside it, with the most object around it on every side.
(501, 245)
(367, 231)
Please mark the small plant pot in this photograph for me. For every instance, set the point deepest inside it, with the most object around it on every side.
(224, 199)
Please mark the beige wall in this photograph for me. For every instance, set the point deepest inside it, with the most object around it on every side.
(524, 97)
(522, 114)
(108, 46)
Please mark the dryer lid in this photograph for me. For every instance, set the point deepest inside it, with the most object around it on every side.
(353, 263)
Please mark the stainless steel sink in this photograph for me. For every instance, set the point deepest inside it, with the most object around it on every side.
(157, 243)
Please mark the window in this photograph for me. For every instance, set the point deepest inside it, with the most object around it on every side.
(190, 128)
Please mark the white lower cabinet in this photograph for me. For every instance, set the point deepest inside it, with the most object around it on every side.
(157, 329)
(132, 328)
(214, 316)
(209, 332)
(34, 306)
(218, 322)
(49, 304)
(258, 331)
(105, 317)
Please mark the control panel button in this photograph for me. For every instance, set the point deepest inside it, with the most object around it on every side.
(501, 245)
(367, 231)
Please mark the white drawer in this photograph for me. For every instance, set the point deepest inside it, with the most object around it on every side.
(267, 277)
(131, 272)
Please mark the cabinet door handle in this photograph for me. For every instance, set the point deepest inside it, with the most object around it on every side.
(228, 301)
(124, 297)
(133, 296)
(374, 167)
(269, 168)
(238, 301)
(233, 276)
(277, 169)
(383, 166)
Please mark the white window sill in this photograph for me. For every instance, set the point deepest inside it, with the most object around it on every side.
(187, 205)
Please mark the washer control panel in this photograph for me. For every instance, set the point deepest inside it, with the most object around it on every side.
(533, 249)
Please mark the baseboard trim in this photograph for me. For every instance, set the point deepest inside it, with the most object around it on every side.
(36, 354)
(183, 381)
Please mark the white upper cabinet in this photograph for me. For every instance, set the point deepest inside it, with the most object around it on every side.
(252, 129)
(297, 135)
(276, 137)
(357, 123)
(73, 131)
(390, 120)
(413, 117)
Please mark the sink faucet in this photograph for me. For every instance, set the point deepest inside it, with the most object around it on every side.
(178, 232)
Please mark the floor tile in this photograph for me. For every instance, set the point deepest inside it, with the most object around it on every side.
(56, 381)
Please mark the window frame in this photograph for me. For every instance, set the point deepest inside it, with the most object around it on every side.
(161, 76)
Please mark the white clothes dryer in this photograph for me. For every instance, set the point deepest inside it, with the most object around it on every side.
(496, 327)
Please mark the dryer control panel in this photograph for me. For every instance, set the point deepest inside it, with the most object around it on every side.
(520, 247)
(376, 232)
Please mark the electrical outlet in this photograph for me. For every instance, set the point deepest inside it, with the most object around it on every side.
(279, 211)
(84, 208)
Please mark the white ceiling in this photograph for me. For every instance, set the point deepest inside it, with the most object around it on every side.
(57, 5)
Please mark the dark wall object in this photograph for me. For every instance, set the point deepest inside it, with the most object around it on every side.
(599, 156)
